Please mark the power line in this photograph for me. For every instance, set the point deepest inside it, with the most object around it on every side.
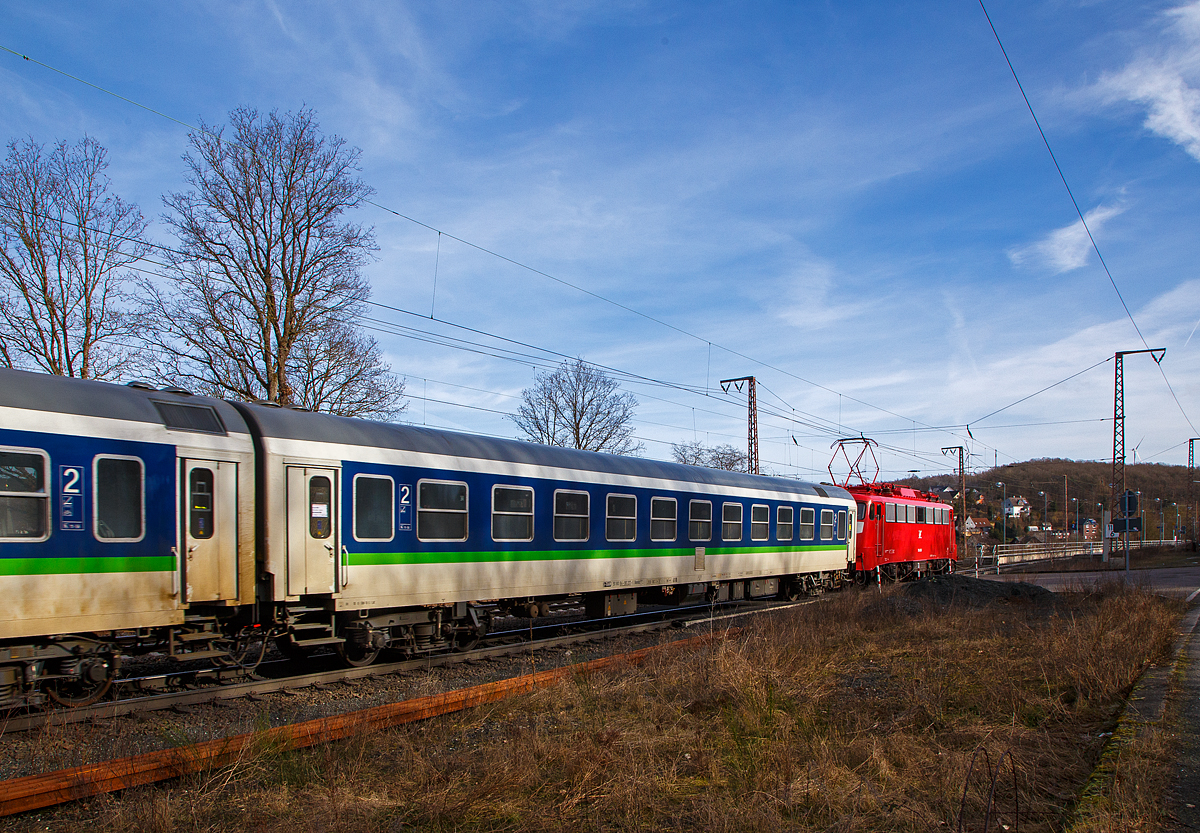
(1078, 211)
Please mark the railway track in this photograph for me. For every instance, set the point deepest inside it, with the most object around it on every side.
(35, 792)
(199, 686)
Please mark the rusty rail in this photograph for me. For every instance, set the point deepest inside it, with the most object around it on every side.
(33, 792)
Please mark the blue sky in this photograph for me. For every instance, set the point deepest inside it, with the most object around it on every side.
(851, 196)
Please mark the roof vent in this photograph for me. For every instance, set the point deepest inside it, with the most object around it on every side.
(140, 384)
(199, 418)
(176, 389)
(267, 403)
(821, 491)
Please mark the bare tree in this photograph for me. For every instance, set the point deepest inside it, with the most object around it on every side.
(725, 457)
(64, 240)
(268, 275)
(341, 371)
(578, 406)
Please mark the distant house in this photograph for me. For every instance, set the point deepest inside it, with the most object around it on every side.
(1016, 507)
(978, 526)
(1091, 530)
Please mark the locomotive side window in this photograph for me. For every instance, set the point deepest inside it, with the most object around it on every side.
(119, 506)
(24, 504)
(889, 513)
(374, 508)
(700, 520)
(570, 516)
(622, 518)
(441, 511)
(760, 522)
(731, 522)
(862, 511)
(911, 511)
(841, 524)
(663, 518)
(200, 503)
(783, 523)
(921, 514)
(826, 524)
(807, 525)
(512, 513)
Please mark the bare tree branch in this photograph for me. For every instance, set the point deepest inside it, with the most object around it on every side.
(724, 457)
(578, 406)
(269, 277)
(64, 239)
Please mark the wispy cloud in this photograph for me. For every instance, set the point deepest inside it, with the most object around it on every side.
(1066, 248)
(1164, 81)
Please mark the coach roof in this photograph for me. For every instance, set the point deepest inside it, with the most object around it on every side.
(285, 423)
(85, 397)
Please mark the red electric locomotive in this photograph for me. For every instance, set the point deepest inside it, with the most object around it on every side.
(901, 532)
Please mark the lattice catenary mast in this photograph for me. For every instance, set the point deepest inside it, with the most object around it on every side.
(751, 418)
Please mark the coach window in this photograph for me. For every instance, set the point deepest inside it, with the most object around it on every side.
(783, 523)
(621, 519)
(760, 522)
(826, 524)
(512, 513)
(731, 522)
(663, 515)
(807, 525)
(24, 503)
(200, 503)
(374, 508)
(841, 529)
(700, 520)
(320, 507)
(118, 494)
(571, 516)
(441, 511)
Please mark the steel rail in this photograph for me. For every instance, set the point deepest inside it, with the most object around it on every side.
(219, 689)
(34, 792)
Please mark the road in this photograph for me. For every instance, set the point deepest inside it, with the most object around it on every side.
(1183, 582)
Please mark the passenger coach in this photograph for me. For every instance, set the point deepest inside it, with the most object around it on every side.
(135, 520)
(370, 526)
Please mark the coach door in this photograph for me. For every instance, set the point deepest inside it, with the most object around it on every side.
(209, 529)
(313, 535)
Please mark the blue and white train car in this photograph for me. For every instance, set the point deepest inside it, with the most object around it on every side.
(389, 535)
(121, 508)
(135, 520)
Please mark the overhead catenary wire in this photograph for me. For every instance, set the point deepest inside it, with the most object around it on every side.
(1079, 211)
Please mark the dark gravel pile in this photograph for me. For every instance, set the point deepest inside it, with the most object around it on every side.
(943, 591)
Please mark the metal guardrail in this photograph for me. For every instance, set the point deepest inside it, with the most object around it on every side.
(992, 559)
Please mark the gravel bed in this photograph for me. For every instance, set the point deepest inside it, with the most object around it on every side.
(52, 748)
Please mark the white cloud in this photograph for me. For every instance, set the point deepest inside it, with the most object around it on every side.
(1164, 82)
(1066, 248)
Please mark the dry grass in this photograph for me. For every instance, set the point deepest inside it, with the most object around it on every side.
(855, 714)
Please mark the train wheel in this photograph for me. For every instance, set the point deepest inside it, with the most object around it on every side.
(357, 655)
(86, 681)
(466, 640)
